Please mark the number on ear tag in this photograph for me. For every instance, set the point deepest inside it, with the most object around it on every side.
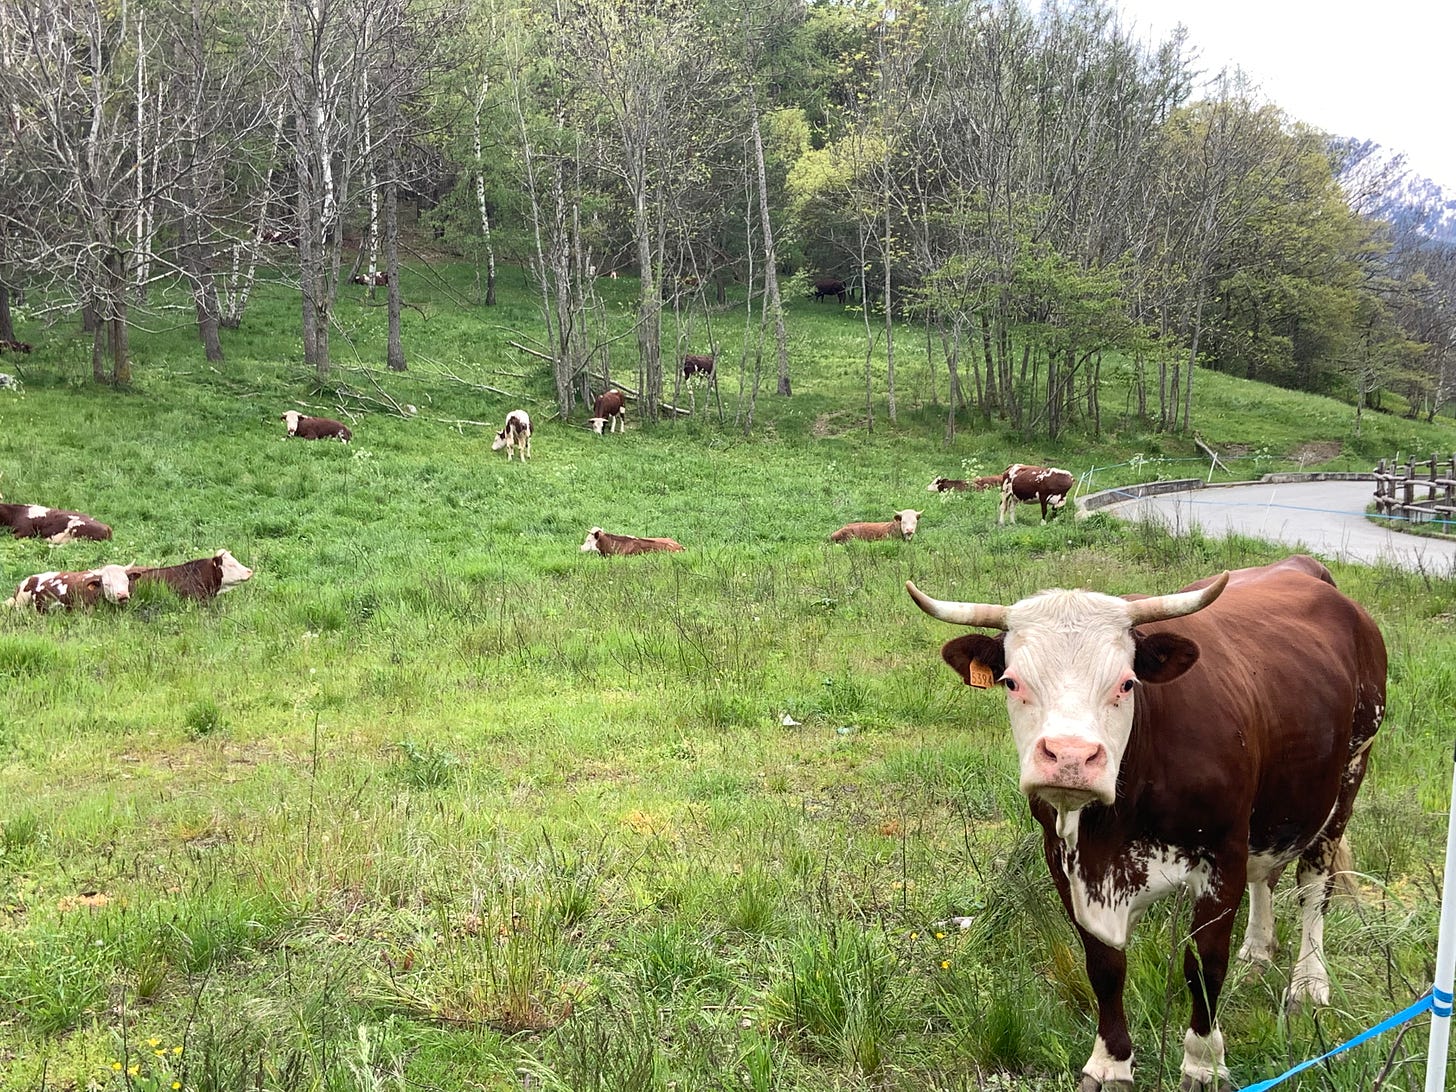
(980, 676)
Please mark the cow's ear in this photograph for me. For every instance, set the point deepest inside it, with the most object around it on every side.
(979, 660)
(93, 582)
(1162, 657)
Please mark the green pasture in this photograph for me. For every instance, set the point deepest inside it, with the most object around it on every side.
(437, 801)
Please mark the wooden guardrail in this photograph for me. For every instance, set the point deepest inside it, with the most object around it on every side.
(1418, 490)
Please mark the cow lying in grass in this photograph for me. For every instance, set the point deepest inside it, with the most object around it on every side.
(600, 542)
(71, 590)
(902, 526)
(55, 525)
(316, 428)
(201, 579)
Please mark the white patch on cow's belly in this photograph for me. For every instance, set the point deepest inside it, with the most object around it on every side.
(1111, 906)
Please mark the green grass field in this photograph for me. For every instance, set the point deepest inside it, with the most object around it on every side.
(438, 802)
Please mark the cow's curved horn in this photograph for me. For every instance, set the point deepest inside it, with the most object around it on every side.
(986, 615)
(1175, 605)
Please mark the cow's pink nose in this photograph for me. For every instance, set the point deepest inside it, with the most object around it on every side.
(1069, 758)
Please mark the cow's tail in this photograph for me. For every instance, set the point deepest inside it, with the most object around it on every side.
(1342, 870)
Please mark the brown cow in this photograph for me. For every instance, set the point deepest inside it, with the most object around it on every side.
(1046, 484)
(1200, 741)
(52, 524)
(316, 428)
(600, 542)
(948, 485)
(698, 364)
(902, 526)
(609, 406)
(988, 481)
(516, 433)
(201, 579)
(824, 287)
(71, 590)
(380, 277)
(15, 346)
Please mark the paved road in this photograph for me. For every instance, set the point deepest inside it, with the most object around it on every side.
(1325, 518)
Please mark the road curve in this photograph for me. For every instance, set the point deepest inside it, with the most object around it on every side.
(1320, 517)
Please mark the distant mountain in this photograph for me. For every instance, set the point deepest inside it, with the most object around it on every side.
(1378, 184)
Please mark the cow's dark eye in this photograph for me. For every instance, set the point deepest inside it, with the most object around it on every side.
(1010, 684)
(1127, 685)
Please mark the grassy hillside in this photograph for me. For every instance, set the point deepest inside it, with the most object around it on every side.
(438, 801)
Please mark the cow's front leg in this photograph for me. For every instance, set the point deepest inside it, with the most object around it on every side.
(1204, 1067)
(1109, 1069)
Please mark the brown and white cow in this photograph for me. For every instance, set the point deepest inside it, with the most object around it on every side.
(698, 365)
(514, 435)
(71, 590)
(948, 485)
(902, 526)
(315, 428)
(601, 542)
(609, 406)
(1047, 484)
(1198, 740)
(201, 579)
(55, 525)
(380, 277)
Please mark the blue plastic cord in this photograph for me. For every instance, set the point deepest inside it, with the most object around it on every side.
(1429, 1001)
(1441, 1001)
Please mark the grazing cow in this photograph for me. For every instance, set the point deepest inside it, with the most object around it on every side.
(381, 277)
(601, 542)
(15, 346)
(71, 590)
(515, 434)
(698, 364)
(1046, 484)
(9, 382)
(902, 526)
(316, 428)
(824, 287)
(201, 579)
(609, 406)
(1200, 740)
(55, 525)
(279, 236)
(948, 485)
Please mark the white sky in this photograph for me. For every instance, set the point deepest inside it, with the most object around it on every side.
(1384, 71)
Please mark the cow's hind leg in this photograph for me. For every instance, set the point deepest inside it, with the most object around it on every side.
(1260, 945)
(1321, 865)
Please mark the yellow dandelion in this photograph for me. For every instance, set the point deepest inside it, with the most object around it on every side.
(176, 1085)
(116, 1066)
(939, 936)
(160, 1053)
(176, 1050)
(945, 964)
(154, 1042)
(133, 1070)
(914, 936)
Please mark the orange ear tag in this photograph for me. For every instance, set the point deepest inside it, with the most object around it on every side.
(980, 676)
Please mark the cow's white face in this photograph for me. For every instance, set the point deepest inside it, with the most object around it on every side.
(1069, 693)
(590, 545)
(597, 423)
(499, 441)
(115, 584)
(234, 572)
(934, 487)
(291, 420)
(907, 520)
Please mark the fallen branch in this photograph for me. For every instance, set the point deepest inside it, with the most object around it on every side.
(636, 396)
(531, 352)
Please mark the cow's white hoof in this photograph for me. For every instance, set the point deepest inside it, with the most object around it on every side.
(1190, 1083)
(1090, 1083)
(1262, 954)
(1302, 990)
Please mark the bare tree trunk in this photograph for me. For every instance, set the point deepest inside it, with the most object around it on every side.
(770, 258)
(7, 322)
(480, 196)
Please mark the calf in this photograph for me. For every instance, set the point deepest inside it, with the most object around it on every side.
(600, 542)
(949, 485)
(71, 590)
(698, 364)
(316, 428)
(381, 277)
(1198, 741)
(825, 287)
(515, 434)
(52, 524)
(903, 525)
(609, 406)
(1046, 484)
(201, 579)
